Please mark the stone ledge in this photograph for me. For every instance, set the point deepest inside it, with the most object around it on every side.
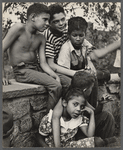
(16, 89)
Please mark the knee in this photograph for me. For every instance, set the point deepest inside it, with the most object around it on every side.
(108, 116)
(99, 142)
(59, 86)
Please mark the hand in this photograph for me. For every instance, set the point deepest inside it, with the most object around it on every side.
(58, 79)
(5, 81)
(88, 70)
(89, 110)
(105, 99)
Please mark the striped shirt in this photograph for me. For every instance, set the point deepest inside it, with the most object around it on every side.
(54, 41)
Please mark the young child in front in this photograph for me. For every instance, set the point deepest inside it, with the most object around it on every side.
(70, 119)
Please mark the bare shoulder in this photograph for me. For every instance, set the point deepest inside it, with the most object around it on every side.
(18, 27)
(41, 37)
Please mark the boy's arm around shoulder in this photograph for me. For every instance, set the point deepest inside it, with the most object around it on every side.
(100, 53)
(10, 37)
(42, 59)
(57, 113)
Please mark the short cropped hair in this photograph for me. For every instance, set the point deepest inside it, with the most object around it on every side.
(55, 9)
(77, 23)
(73, 92)
(82, 80)
(37, 8)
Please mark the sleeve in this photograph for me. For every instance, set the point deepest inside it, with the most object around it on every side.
(85, 121)
(64, 56)
(89, 46)
(49, 47)
(91, 66)
(45, 127)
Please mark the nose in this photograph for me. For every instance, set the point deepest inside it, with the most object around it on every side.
(60, 22)
(47, 23)
(79, 109)
(78, 38)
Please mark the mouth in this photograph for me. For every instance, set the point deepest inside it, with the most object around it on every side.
(62, 28)
(77, 44)
(76, 115)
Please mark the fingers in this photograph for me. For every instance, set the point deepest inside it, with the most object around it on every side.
(5, 81)
(105, 99)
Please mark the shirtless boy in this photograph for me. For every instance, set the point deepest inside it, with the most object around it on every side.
(24, 43)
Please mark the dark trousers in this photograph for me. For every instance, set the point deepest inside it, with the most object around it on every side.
(32, 73)
(104, 126)
(92, 99)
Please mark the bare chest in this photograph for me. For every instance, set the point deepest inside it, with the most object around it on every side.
(29, 43)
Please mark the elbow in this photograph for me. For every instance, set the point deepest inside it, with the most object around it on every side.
(91, 134)
(52, 66)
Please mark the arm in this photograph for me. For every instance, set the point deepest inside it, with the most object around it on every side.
(90, 106)
(90, 129)
(63, 66)
(41, 141)
(60, 69)
(99, 53)
(12, 35)
(57, 112)
(43, 62)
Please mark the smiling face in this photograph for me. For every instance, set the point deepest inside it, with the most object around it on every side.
(58, 22)
(74, 106)
(77, 37)
(41, 21)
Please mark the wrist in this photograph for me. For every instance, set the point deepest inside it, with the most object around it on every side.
(92, 112)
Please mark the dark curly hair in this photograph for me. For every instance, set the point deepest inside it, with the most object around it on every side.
(37, 8)
(77, 23)
(55, 9)
(73, 92)
(82, 80)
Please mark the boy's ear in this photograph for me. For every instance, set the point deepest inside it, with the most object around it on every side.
(32, 16)
(68, 35)
(64, 103)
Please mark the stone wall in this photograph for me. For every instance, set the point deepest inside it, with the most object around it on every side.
(28, 102)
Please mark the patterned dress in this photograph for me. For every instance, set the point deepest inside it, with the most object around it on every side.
(68, 131)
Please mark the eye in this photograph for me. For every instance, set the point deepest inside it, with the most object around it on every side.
(75, 104)
(56, 21)
(74, 35)
(63, 19)
(83, 106)
(45, 19)
(82, 35)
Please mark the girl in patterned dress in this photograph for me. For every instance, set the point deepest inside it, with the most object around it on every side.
(70, 119)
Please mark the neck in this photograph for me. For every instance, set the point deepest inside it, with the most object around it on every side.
(65, 115)
(56, 32)
(30, 28)
(77, 48)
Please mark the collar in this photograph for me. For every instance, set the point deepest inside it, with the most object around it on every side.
(85, 45)
(73, 49)
(56, 32)
(73, 123)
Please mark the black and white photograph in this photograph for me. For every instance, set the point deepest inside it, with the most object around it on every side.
(61, 74)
